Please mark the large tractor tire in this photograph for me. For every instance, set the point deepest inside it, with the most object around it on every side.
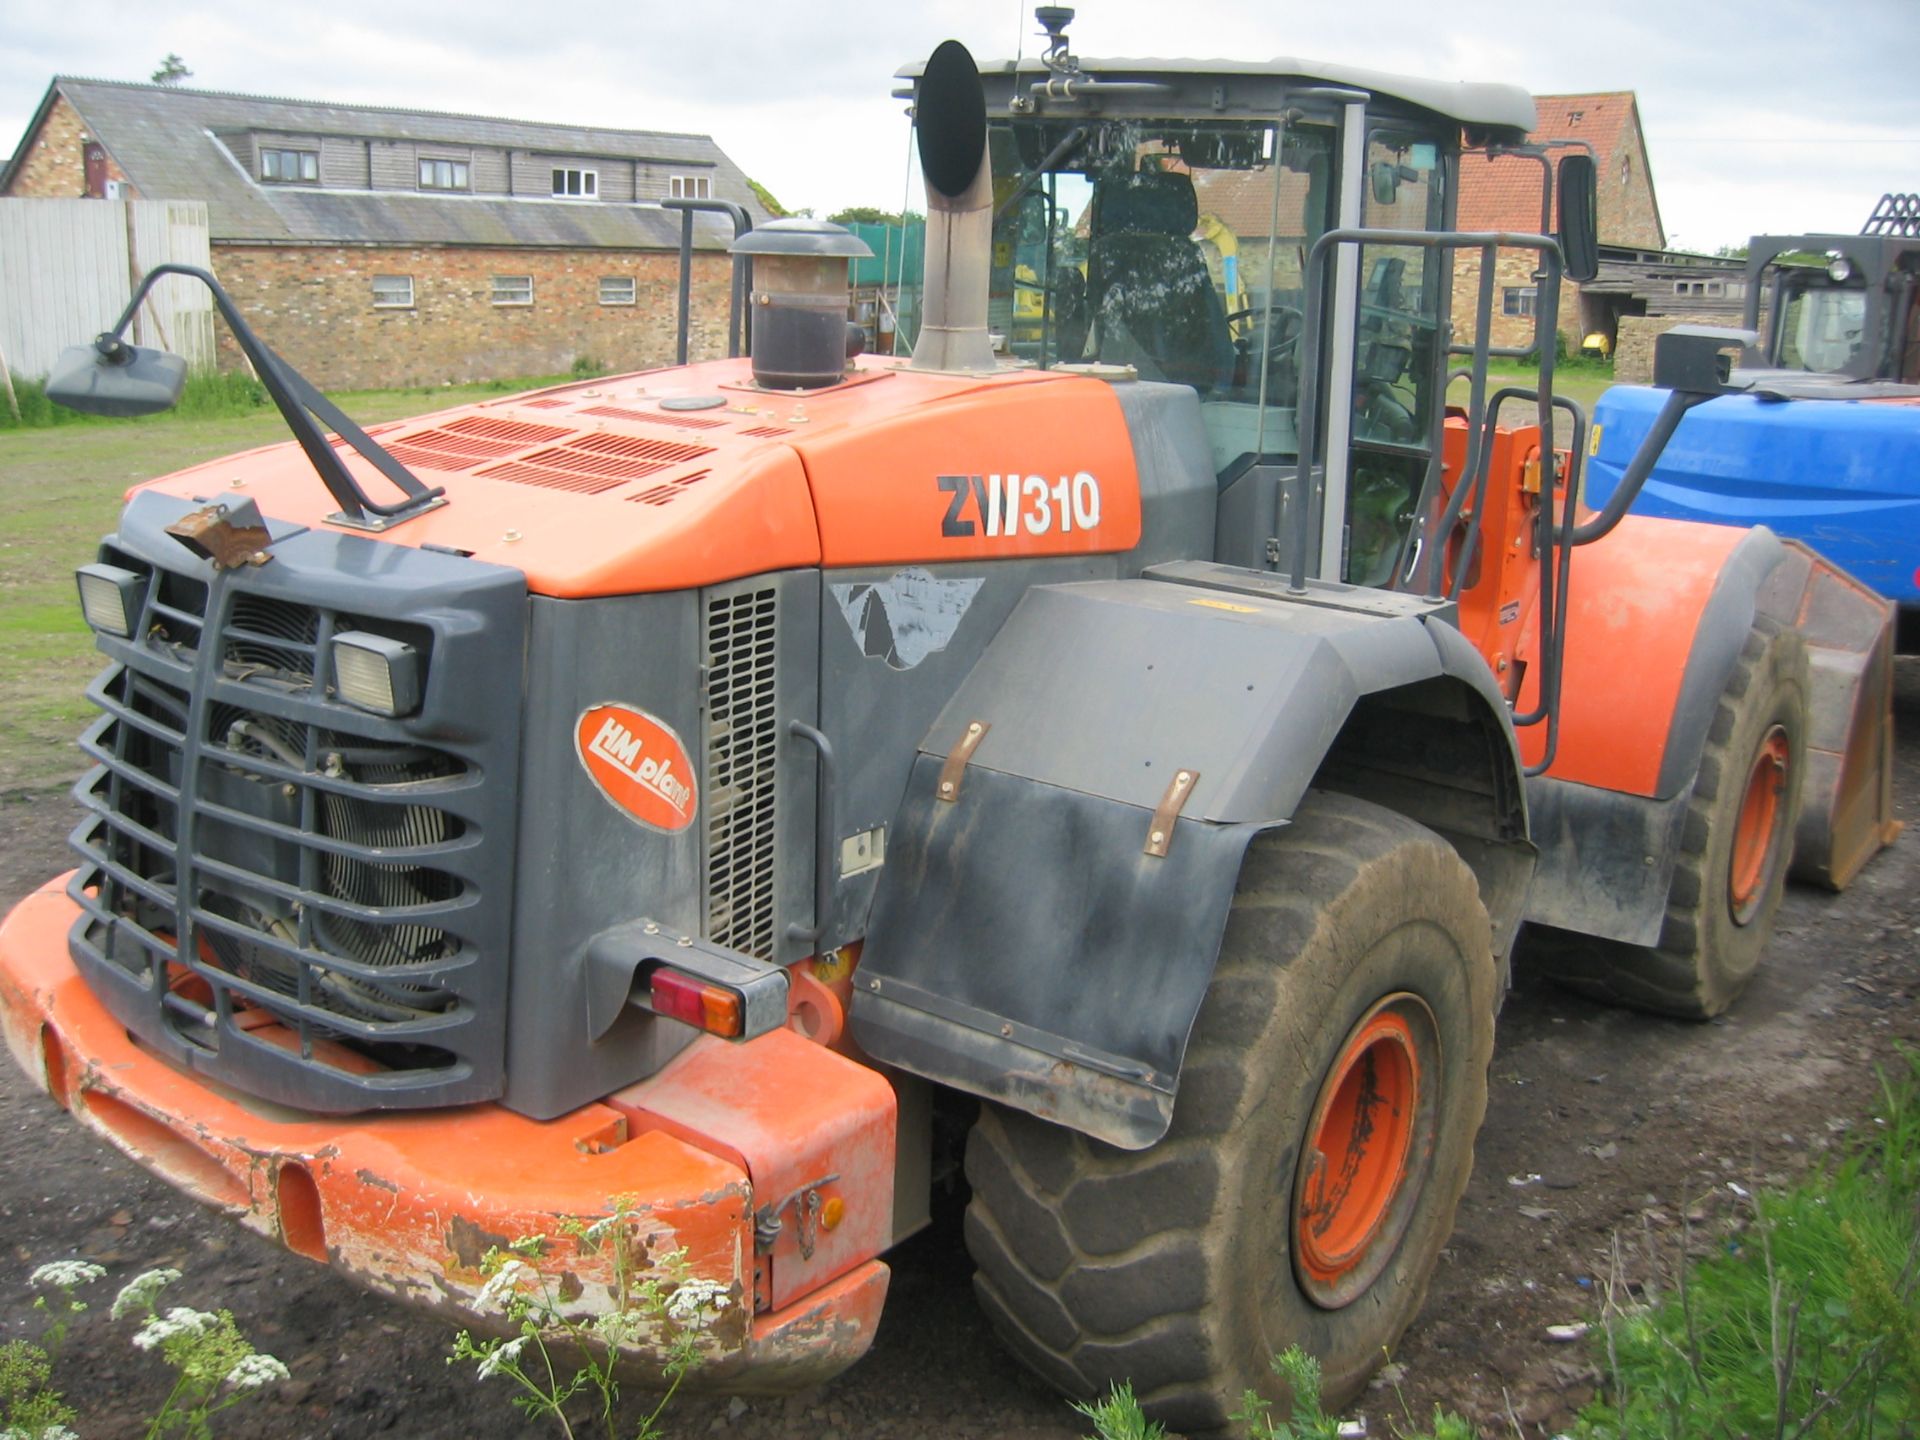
(1322, 1134)
(1736, 845)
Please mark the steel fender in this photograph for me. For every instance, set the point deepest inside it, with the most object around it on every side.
(1025, 944)
(1658, 616)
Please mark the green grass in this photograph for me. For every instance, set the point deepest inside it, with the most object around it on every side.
(61, 488)
(1806, 1326)
(1581, 381)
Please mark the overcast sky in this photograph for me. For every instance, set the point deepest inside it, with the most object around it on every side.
(1760, 117)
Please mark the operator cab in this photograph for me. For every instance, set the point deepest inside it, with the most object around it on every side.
(1844, 311)
(1161, 214)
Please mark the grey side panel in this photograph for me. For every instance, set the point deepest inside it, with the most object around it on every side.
(1178, 494)
(1606, 859)
(585, 864)
(1026, 949)
(894, 646)
(725, 669)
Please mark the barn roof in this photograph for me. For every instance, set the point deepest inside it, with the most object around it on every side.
(166, 139)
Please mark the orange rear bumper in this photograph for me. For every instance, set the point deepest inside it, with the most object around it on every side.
(408, 1204)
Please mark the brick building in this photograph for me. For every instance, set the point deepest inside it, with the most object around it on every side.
(1504, 194)
(383, 247)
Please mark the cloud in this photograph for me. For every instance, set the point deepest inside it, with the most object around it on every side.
(799, 94)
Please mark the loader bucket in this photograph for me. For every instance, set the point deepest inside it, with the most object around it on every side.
(1846, 814)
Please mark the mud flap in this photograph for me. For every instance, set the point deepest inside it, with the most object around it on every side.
(1846, 815)
(979, 892)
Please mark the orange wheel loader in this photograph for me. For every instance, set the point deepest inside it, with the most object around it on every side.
(1131, 743)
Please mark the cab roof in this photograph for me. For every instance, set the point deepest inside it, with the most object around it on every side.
(1476, 105)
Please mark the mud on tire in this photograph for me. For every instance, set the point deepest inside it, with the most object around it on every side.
(1356, 943)
(1736, 844)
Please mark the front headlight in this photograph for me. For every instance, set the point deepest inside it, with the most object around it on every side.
(110, 597)
(376, 673)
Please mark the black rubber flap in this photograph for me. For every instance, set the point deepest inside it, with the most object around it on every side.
(1026, 949)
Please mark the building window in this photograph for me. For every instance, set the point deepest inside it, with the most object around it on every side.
(290, 167)
(393, 292)
(513, 290)
(617, 290)
(1518, 299)
(576, 184)
(690, 187)
(1700, 287)
(443, 175)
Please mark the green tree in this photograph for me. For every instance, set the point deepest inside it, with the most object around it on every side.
(172, 71)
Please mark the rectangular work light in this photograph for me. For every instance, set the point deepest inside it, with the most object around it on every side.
(110, 597)
(376, 673)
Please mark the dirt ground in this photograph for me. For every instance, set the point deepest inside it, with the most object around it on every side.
(1602, 1123)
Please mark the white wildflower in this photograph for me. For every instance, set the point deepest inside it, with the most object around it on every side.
(256, 1370)
(504, 1282)
(65, 1274)
(140, 1292)
(691, 1302)
(45, 1432)
(505, 1355)
(177, 1321)
(597, 1231)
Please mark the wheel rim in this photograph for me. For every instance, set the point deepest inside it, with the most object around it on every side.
(1367, 1150)
(1756, 834)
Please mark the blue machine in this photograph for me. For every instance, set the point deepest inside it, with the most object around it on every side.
(1842, 477)
(1824, 446)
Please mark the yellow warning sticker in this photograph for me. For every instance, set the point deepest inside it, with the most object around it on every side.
(1227, 605)
(1593, 441)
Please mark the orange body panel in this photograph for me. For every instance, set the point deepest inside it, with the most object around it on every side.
(1033, 464)
(596, 489)
(1637, 597)
(810, 1127)
(409, 1203)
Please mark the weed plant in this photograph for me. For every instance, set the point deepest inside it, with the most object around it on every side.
(1807, 1327)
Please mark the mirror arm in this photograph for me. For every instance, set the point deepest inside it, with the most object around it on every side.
(299, 404)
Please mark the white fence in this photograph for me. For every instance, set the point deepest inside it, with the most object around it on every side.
(68, 268)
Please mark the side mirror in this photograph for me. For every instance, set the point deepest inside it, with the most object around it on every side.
(1698, 359)
(1579, 209)
(111, 377)
(1384, 176)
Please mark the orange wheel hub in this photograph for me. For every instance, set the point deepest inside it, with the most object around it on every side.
(1368, 1145)
(1757, 832)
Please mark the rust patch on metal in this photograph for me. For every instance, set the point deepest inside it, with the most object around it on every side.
(1160, 829)
(952, 772)
(228, 535)
(367, 1177)
(470, 1243)
(570, 1288)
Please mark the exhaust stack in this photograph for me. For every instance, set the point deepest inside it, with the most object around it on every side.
(950, 115)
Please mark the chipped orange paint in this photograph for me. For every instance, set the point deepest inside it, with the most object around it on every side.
(597, 490)
(408, 1203)
(792, 1113)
